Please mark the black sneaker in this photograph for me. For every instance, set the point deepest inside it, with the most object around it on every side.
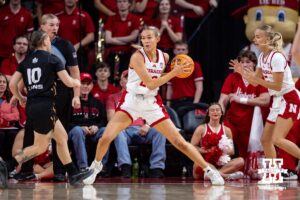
(3, 173)
(78, 177)
(156, 173)
(125, 171)
(24, 176)
(290, 175)
(59, 178)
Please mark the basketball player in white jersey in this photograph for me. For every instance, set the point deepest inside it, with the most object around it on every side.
(141, 100)
(274, 73)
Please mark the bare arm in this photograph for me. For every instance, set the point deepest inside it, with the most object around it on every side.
(197, 137)
(223, 101)
(275, 85)
(130, 38)
(75, 73)
(101, 7)
(14, 88)
(198, 92)
(175, 37)
(68, 80)
(262, 100)
(140, 6)
(111, 40)
(90, 37)
(137, 63)
(296, 46)
(184, 4)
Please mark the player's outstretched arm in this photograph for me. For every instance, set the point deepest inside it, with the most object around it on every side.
(67, 79)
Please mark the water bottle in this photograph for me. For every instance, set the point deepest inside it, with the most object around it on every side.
(135, 168)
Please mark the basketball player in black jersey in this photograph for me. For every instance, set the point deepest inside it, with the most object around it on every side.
(65, 99)
(38, 72)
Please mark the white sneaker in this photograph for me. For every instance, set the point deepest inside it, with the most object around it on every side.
(97, 167)
(214, 176)
(235, 176)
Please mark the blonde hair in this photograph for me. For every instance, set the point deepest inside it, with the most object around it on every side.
(47, 17)
(275, 37)
(152, 28)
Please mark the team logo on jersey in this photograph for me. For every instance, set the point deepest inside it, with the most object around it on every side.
(74, 22)
(22, 19)
(129, 24)
(6, 18)
(154, 66)
(272, 170)
(35, 60)
(74, 55)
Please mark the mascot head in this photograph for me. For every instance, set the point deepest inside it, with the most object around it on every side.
(282, 15)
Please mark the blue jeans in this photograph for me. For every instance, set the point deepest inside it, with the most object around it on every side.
(78, 137)
(131, 136)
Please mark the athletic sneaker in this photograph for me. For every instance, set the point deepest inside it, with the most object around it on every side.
(3, 173)
(79, 176)
(214, 176)
(290, 175)
(97, 167)
(235, 176)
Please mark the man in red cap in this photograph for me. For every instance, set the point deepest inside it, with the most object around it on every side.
(87, 122)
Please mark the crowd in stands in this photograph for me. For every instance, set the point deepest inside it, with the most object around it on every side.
(103, 81)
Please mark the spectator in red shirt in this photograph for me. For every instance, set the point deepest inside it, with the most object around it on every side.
(48, 6)
(77, 26)
(102, 88)
(106, 8)
(181, 92)
(240, 98)
(14, 20)
(120, 31)
(9, 65)
(145, 9)
(169, 27)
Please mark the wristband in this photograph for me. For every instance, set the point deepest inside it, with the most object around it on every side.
(243, 100)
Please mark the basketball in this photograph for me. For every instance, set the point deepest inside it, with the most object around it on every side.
(180, 59)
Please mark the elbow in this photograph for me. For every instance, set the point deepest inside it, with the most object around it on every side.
(150, 85)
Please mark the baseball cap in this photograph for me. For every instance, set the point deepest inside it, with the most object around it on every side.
(85, 76)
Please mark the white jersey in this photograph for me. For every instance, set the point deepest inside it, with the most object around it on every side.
(287, 48)
(155, 69)
(276, 62)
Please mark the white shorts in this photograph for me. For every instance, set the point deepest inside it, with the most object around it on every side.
(286, 106)
(150, 108)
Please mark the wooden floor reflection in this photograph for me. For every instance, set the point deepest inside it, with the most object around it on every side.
(144, 189)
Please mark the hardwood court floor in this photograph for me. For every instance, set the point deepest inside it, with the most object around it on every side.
(151, 189)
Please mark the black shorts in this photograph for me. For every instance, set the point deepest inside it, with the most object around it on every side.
(42, 115)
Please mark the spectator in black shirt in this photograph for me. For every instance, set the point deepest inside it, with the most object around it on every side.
(87, 122)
